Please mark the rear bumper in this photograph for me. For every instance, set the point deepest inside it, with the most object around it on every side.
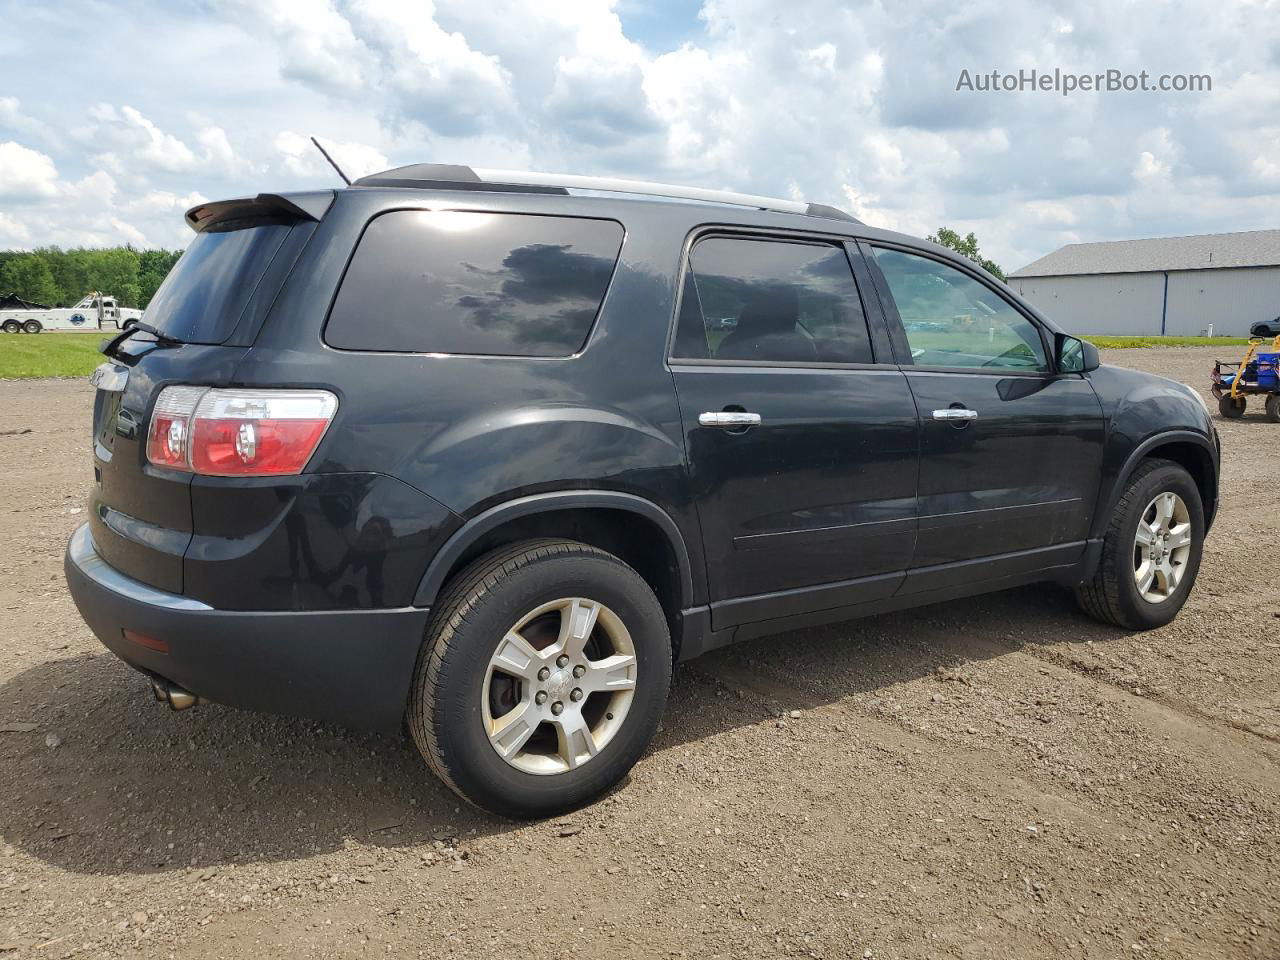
(352, 667)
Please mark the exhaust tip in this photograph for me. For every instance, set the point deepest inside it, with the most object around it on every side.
(172, 694)
(180, 699)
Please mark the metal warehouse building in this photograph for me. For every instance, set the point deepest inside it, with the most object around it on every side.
(1175, 286)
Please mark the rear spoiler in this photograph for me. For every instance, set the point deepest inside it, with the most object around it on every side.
(303, 206)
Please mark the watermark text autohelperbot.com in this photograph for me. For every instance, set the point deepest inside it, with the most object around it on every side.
(1065, 82)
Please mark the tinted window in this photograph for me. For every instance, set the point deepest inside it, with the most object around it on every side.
(440, 281)
(201, 299)
(952, 320)
(772, 301)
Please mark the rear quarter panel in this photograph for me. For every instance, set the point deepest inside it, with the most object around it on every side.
(472, 432)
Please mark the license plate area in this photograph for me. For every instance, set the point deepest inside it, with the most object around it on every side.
(111, 380)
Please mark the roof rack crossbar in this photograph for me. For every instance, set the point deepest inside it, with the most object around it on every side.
(454, 176)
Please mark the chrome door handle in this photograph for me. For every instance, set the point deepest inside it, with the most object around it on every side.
(729, 418)
(955, 413)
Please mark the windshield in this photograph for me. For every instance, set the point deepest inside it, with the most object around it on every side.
(201, 299)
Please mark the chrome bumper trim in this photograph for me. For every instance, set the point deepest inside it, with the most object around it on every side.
(85, 556)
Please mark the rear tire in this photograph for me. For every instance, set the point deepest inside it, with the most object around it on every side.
(481, 708)
(12, 326)
(1114, 595)
(32, 326)
(1231, 407)
(1273, 407)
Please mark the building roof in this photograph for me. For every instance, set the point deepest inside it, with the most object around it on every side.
(1210, 251)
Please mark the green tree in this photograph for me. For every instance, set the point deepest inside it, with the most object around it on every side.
(115, 271)
(132, 276)
(966, 246)
(30, 278)
(70, 271)
(5, 257)
(153, 267)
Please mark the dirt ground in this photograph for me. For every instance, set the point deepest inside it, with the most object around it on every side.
(999, 777)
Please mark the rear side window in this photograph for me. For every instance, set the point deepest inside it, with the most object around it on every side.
(201, 299)
(771, 301)
(500, 284)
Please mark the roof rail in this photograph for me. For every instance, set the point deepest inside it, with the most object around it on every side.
(448, 176)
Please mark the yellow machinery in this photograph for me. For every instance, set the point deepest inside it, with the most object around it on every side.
(1257, 373)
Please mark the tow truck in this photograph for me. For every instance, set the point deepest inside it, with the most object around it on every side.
(94, 312)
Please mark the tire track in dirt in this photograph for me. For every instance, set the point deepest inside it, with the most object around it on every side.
(1213, 737)
(1100, 674)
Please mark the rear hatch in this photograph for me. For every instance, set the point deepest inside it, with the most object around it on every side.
(208, 311)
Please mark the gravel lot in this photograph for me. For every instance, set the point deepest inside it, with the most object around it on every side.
(997, 777)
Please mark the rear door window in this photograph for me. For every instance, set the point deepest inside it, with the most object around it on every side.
(202, 298)
(498, 284)
(771, 301)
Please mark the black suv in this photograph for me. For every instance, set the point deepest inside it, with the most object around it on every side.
(485, 453)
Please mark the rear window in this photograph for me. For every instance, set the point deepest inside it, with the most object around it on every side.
(499, 284)
(201, 299)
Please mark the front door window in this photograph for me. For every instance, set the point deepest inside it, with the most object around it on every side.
(952, 320)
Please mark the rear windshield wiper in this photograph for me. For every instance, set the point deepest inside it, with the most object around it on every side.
(109, 346)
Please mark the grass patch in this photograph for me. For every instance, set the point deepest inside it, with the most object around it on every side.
(1125, 343)
(25, 356)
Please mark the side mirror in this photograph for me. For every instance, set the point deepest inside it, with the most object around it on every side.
(1075, 355)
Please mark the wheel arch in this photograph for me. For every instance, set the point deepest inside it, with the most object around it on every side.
(632, 528)
(1192, 451)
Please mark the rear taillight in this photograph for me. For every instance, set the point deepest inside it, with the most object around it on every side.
(238, 432)
(170, 426)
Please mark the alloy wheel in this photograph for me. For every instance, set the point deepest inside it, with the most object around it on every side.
(1162, 547)
(558, 686)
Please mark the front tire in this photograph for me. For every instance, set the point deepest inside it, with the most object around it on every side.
(1151, 551)
(542, 678)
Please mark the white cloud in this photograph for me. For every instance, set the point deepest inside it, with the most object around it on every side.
(1149, 168)
(134, 142)
(218, 156)
(822, 58)
(26, 174)
(314, 42)
(89, 211)
(299, 156)
(134, 148)
(12, 117)
(14, 232)
(434, 75)
(820, 100)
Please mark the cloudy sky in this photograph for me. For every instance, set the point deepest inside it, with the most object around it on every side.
(116, 117)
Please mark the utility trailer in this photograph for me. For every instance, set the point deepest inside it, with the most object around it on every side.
(94, 312)
(1258, 373)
